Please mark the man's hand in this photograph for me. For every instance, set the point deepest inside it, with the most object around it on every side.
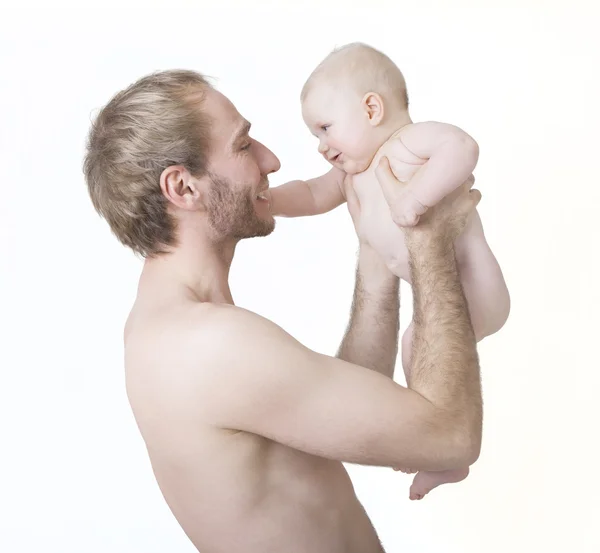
(444, 221)
(445, 365)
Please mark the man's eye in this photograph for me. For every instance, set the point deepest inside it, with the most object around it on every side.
(247, 146)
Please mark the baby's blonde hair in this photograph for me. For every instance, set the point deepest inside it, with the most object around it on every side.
(364, 68)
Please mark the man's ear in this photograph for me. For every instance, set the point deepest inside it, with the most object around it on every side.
(372, 103)
(182, 189)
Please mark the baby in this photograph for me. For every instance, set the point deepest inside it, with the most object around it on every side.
(355, 103)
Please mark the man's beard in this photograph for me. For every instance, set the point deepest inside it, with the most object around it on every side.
(231, 212)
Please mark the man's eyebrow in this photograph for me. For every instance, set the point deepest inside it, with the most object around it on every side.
(241, 133)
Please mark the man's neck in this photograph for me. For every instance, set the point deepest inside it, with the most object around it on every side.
(197, 266)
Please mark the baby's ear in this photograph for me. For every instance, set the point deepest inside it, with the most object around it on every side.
(372, 103)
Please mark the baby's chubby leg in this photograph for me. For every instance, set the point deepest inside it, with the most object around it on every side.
(482, 280)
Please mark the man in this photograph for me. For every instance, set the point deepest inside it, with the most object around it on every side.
(246, 428)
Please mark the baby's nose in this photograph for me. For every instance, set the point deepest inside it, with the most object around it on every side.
(323, 148)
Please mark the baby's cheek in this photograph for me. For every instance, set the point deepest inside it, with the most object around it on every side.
(362, 150)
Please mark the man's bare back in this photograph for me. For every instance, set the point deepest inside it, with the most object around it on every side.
(246, 428)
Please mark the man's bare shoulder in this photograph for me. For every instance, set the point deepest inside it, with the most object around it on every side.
(232, 340)
(223, 327)
(201, 336)
(179, 357)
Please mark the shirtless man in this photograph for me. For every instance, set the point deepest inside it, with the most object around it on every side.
(246, 428)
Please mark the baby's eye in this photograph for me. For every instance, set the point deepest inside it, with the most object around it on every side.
(325, 127)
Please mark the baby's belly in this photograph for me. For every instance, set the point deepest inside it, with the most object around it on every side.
(384, 236)
(376, 227)
(379, 230)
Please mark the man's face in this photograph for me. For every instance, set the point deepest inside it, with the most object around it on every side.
(239, 165)
(336, 119)
(236, 212)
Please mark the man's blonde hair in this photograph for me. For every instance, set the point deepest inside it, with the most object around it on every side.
(153, 124)
(363, 68)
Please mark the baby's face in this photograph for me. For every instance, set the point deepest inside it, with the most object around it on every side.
(338, 120)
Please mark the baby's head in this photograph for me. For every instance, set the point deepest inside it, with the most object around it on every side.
(352, 102)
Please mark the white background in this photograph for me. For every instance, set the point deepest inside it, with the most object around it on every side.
(524, 81)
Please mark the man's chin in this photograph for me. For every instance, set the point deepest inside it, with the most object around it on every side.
(262, 226)
(265, 217)
(268, 226)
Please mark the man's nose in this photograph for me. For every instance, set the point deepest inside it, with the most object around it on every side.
(268, 161)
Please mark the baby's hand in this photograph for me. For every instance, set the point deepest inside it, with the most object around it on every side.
(405, 208)
(409, 210)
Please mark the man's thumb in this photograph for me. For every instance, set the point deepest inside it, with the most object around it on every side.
(475, 196)
(469, 202)
(390, 185)
(383, 170)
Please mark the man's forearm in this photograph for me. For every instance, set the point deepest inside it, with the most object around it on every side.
(445, 366)
(371, 339)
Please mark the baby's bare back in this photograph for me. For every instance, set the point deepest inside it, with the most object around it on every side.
(231, 491)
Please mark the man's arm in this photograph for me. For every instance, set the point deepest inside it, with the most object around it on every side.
(312, 197)
(444, 342)
(258, 379)
(371, 339)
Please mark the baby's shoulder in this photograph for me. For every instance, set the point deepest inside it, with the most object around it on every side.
(397, 147)
(418, 141)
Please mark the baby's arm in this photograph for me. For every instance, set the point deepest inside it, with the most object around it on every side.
(451, 157)
(312, 197)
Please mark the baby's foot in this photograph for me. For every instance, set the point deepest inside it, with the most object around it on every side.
(424, 482)
(405, 471)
